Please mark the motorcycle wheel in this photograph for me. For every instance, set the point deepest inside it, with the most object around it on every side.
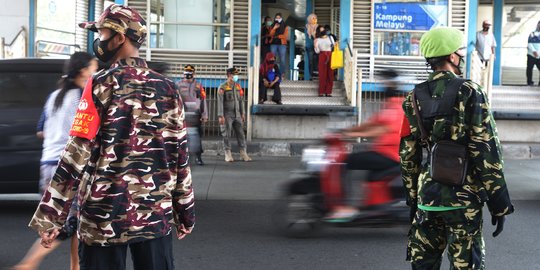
(296, 216)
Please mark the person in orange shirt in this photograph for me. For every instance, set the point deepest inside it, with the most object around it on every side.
(279, 34)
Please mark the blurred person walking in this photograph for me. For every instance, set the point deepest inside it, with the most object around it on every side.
(194, 98)
(450, 117)
(533, 54)
(126, 159)
(231, 114)
(485, 42)
(57, 118)
(279, 34)
(270, 78)
(323, 46)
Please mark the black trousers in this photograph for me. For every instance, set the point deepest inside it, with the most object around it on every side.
(531, 62)
(263, 92)
(155, 254)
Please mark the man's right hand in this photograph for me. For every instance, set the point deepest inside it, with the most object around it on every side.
(221, 120)
(535, 54)
(182, 231)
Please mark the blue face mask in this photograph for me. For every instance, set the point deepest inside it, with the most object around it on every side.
(235, 78)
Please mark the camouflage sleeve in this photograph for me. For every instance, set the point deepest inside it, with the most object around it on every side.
(54, 206)
(183, 196)
(220, 101)
(410, 153)
(485, 153)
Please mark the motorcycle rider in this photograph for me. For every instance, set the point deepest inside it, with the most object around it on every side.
(444, 215)
(384, 127)
(194, 97)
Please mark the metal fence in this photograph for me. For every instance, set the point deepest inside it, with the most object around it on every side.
(211, 76)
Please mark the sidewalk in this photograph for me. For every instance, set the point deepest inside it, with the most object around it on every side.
(288, 148)
(262, 178)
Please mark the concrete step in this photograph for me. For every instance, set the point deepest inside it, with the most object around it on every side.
(306, 92)
(308, 84)
(315, 100)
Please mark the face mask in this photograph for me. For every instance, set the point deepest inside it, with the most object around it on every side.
(269, 23)
(272, 62)
(279, 20)
(101, 50)
(189, 76)
(459, 67)
(485, 29)
(235, 78)
(328, 32)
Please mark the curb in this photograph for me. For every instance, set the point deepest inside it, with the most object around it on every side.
(280, 148)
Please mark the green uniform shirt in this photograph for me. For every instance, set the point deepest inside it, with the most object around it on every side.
(472, 124)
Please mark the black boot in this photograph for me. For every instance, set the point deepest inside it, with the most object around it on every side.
(198, 160)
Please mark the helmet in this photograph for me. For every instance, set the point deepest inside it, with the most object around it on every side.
(121, 19)
(441, 41)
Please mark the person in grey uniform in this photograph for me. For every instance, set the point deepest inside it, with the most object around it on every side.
(231, 114)
(194, 98)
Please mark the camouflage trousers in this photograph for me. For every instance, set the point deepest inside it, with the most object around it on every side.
(458, 231)
(233, 123)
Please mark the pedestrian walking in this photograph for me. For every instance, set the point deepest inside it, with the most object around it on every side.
(323, 46)
(450, 118)
(194, 98)
(57, 118)
(266, 38)
(270, 78)
(231, 114)
(533, 54)
(485, 42)
(126, 158)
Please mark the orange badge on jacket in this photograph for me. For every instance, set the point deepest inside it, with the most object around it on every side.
(405, 127)
(86, 122)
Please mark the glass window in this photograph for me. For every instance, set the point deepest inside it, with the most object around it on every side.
(519, 23)
(399, 25)
(55, 27)
(190, 24)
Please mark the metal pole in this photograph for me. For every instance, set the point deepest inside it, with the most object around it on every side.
(148, 16)
(2, 50)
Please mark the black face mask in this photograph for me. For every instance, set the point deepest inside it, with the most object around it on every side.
(189, 76)
(459, 67)
(485, 29)
(102, 52)
(271, 62)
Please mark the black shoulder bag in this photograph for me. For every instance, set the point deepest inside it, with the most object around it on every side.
(448, 158)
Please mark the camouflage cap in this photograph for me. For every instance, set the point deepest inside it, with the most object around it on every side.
(233, 70)
(121, 19)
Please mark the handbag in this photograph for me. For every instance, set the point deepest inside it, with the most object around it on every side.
(448, 159)
(336, 61)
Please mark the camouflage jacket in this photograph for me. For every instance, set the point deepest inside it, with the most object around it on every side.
(131, 171)
(472, 124)
(230, 100)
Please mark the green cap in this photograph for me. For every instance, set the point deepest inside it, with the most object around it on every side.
(441, 41)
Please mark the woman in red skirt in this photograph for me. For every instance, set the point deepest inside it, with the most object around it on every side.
(323, 46)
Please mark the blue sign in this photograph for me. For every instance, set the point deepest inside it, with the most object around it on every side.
(410, 16)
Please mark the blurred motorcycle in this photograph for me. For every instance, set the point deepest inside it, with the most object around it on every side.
(316, 189)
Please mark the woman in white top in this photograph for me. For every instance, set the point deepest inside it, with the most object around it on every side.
(59, 110)
(323, 46)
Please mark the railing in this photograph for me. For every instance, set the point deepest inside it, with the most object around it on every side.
(482, 74)
(19, 42)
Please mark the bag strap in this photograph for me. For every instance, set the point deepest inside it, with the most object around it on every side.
(423, 133)
(451, 90)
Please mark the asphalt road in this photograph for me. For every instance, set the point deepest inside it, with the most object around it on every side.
(235, 232)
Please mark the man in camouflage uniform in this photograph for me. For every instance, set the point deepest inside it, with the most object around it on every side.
(231, 114)
(194, 98)
(445, 216)
(126, 158)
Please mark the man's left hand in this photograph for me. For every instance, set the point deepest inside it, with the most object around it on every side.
(182, 231)
(47, 238)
